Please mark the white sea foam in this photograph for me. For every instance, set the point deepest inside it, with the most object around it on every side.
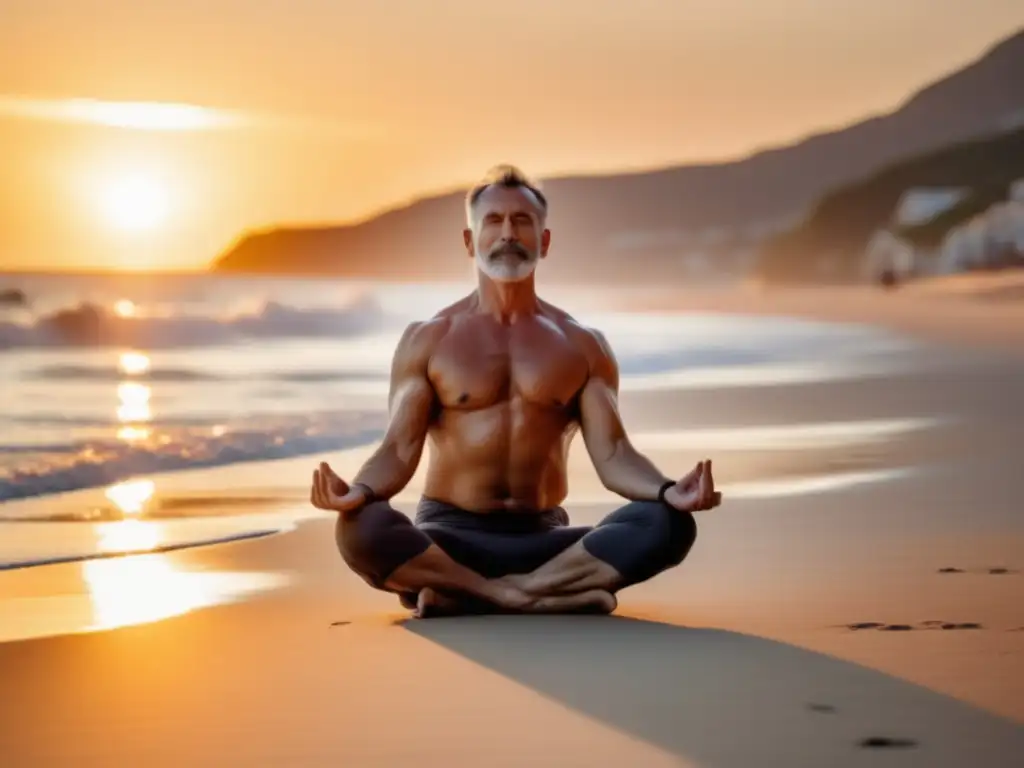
(96, 325)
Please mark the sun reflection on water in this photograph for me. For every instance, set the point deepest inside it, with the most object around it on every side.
(133, 398)
(148, 586)
(134, 402)
(133, 363)
(145, 588)
(131, 496)
(133, 434)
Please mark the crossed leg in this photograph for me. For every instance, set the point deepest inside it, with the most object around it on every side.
(441, 569)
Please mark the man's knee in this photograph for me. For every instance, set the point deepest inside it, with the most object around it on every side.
(682, 533)
(376, 540)
(642, 539)
(672, 532)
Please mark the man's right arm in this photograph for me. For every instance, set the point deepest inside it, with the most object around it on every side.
(411, 404)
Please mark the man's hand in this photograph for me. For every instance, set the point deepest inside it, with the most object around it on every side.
(330, 492)
(694, 492)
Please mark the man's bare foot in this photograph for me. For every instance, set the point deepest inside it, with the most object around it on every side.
(508, 598)
(430, 604)
(591, 601)
(506, 593)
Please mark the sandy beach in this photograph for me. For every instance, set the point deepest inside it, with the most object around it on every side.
(858, 599)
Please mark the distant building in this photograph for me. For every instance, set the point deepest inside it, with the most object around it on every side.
(994, 238)
(889, 255)
(990, 240)
(922, 204)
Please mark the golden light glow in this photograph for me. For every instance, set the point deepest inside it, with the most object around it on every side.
(136, 115)
(134, 401)
(134, 202)
(124, 308)
(137, 590)
(144, 588)
(133, 434)
(134, 363)
(131, 498)
(127, 536)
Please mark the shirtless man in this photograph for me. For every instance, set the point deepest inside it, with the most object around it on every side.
(499, 383)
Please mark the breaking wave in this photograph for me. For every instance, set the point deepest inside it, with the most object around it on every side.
(94, 325)
(30, 470)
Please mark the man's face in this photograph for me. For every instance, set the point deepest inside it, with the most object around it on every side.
(509, 237)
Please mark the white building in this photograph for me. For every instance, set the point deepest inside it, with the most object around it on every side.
(985, 240)
(1017, 190)
(920, 205)
(888, 253)
(993, 238)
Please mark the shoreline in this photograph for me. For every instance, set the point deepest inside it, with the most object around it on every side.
(949, 312)
(154, 550)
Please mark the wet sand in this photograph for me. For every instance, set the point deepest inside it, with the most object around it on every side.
(857, 598)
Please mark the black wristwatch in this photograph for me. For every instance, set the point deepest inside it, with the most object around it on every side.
(664, 487)
(368, 493)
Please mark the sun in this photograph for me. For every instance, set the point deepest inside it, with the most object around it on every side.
(134, 202)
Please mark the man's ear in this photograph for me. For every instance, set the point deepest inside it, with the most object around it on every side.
(545, 242)
(467, 238)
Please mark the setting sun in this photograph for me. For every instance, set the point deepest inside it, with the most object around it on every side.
(134, 202)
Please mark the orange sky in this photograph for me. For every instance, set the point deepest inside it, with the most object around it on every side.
(329, 110)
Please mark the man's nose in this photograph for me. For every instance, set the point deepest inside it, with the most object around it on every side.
(507, 230)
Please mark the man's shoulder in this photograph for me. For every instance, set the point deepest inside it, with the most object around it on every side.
(420, 337)
(590, 341)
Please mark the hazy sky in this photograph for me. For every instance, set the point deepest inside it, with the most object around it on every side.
(328, 110)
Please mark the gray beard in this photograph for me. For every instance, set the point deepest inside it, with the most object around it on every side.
(507, 263)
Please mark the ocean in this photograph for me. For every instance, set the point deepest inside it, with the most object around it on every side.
(108, 381)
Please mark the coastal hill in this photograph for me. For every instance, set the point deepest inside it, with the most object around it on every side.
(839, 229)
(669, 217)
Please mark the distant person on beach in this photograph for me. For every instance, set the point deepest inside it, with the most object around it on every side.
(499, 383)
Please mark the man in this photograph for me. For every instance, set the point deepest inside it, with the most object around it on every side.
(499, 383)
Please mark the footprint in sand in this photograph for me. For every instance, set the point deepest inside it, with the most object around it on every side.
(824, 708)
(885, 742)
(950, 625)
(996, 571)
(933, 624)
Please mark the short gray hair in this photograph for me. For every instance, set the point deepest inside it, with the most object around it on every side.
(508, 176)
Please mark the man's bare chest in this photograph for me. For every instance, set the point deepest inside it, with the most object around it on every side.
(476, 369)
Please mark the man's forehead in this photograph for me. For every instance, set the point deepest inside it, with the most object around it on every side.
(502, 199)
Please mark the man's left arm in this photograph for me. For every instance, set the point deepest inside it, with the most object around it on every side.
(621, 467)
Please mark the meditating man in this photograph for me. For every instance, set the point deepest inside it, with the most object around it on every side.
(499, 383)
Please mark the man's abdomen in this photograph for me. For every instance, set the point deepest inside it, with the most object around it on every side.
(508, 456)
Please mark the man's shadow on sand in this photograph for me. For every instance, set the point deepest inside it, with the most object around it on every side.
(726, 699)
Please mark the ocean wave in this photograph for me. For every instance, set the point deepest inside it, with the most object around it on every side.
(95, 463)
(94, 325)
(114, 375)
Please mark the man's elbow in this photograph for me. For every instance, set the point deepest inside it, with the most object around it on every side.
(403, 453)
(609, 466)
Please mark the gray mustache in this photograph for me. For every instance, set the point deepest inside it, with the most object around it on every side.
(509, 249)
